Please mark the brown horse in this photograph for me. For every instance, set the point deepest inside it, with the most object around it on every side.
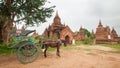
(53, 44)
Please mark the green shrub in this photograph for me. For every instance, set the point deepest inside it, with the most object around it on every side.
(87, 40)
(78, 42)
(6, 51)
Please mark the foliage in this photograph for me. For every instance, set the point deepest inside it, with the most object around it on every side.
(87, 32)
(78, 42)
(30, 11)
(89, 38)
(6, 51)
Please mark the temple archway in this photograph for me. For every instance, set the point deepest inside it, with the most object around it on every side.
(67, 38)
(48, 33)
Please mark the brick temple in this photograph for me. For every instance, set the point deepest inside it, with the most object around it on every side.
(80, 35)
(57, 30)
(104, 35)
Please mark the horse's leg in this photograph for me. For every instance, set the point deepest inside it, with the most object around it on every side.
(58, 52)
(46, 47)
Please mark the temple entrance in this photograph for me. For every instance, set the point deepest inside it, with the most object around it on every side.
(48, 34)
(67, 38)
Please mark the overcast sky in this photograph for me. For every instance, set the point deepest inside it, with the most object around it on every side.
(86, 13)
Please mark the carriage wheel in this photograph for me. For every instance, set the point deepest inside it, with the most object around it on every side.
(27, 53)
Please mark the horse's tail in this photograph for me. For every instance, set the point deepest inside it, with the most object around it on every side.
(43, 47)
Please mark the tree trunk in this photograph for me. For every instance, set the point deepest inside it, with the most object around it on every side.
(1, 37)
(6, 22)
(5, 28)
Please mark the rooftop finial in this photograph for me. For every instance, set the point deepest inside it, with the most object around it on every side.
(100, 24)
(57, 14)
(100, 21)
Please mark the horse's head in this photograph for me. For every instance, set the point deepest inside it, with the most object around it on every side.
(60, 42)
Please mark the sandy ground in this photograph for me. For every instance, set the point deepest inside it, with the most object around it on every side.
(78, 57)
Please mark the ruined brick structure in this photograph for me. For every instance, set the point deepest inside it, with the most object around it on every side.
(58, 30)
(80, 35)
(113, 34)
(105, 36)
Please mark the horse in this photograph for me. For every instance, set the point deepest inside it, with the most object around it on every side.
(53, 44)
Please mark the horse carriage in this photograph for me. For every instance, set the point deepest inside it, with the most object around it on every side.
(27, 50)
(25, 47)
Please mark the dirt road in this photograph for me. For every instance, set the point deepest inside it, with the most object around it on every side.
(78, 57)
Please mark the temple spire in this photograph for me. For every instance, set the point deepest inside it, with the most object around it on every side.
(113, 30)
(80, 28)
(57, 20)
(114, 33)
(100, 24)
(57, 14)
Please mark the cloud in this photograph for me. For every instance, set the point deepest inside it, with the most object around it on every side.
(106, 8)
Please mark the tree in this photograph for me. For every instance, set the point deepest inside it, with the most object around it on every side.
(89, 38)
(87, 32)
(30, 12)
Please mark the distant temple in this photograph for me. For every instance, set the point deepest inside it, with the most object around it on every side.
(105, 36)
(80, 35)
(59, 31)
